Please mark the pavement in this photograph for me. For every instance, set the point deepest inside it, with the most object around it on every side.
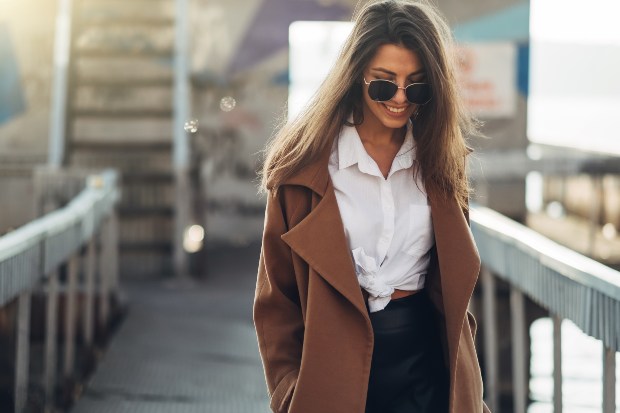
(185, 347)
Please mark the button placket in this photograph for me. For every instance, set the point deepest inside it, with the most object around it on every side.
(387, 232)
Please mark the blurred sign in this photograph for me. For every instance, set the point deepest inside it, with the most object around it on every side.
(11, 97)
(487, 78)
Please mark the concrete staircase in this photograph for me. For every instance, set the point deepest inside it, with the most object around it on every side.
(119, 114)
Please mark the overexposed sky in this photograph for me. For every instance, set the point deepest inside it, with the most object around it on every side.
(575, 21)
(574, 94)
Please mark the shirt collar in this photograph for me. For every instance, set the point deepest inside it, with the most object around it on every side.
(351, 151)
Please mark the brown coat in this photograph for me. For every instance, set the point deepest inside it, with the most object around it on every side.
(314, 333)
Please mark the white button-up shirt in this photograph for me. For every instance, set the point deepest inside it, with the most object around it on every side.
(387, 222)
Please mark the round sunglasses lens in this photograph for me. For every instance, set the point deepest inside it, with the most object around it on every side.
(381, 90)
(419, 93)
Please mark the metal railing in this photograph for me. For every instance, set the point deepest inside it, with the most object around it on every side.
(566, 283)
(32, 257)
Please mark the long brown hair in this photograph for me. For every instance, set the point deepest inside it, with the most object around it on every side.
(440, 127)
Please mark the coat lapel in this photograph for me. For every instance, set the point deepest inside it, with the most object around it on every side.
(320, 240)
(459, 264)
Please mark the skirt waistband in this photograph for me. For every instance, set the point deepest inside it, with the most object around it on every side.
(412, 310)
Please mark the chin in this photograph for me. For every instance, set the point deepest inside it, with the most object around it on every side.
(394, 123)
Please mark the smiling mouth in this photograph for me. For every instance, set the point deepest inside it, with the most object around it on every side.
(395, 110)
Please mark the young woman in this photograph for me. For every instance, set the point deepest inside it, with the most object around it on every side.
(367, 263)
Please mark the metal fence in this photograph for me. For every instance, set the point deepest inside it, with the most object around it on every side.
(566, 283)
(31, 259)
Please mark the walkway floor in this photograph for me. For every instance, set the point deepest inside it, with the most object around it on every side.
(185, 349)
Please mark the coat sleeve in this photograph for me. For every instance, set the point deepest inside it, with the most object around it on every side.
(277, 313)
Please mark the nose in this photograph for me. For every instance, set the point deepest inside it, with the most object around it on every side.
(400, 97)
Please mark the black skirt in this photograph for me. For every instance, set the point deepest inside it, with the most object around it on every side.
(407, 373)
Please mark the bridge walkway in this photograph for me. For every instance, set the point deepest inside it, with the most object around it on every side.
(185, 347)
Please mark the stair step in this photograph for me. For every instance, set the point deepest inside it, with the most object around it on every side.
(128, 164)
(119, 129)
(135, 211)
(148, 178)
(122, 148)
(123, 113)
(126, 83)
(141, 53)
(161, 246)
(122, 70)
(129, 22)
(123, 99)
(141, 228)
(124, 39)
(111, 8)
(147, 197)
(129, 13)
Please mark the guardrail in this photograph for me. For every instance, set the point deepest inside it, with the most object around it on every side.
(35, 255)
(566, 283)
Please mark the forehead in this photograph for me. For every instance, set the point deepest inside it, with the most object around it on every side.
(397, 59)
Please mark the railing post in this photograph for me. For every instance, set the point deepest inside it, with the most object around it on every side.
(104, 274)
(70, 300)
(23, 352)
(557, 364)
(50, 339)
(609, 380)
(114, 270)
(89, 284)
(489, 311)
(595, 212)
(181, 149)
(517, 317)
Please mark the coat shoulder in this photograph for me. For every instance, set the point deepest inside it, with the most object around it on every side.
(295, 202)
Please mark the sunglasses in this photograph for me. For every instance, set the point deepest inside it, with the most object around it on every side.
(381, 90)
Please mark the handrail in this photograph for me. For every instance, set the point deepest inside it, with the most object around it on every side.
(32, 256)
(46, 242)
(566, 283)
(549, 273)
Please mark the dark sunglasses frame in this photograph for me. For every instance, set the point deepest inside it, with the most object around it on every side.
(376, 84)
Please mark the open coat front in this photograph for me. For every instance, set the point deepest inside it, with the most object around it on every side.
(313, 328)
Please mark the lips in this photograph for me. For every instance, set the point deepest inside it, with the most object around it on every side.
(394, 111)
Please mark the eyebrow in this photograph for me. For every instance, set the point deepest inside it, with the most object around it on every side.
(389, 72)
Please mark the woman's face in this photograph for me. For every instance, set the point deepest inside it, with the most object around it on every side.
(403, 67)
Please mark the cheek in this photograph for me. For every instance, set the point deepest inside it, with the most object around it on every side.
(366, 100)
